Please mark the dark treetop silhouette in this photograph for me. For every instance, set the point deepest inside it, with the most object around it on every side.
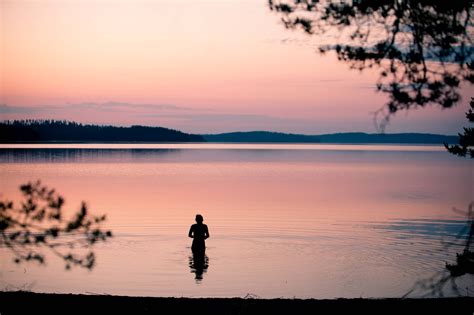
(39, 223)
(465, 260)
(58, 130)
(422, 49)
(466, 140)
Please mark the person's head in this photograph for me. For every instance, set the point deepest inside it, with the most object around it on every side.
(199, 218)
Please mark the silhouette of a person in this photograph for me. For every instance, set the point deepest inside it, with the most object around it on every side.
(199, 261)
(199, 233)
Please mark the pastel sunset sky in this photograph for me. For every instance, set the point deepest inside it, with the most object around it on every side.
(201, 66)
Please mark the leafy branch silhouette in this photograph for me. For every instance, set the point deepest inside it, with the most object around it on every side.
(466, 140)
(39, 223)
(422, 49)
(464, 265)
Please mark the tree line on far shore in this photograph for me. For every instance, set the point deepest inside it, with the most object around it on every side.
(69, 131)
(30, 131)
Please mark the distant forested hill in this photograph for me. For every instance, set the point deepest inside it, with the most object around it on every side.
(349, 137)
(261, 136)
(67, 131)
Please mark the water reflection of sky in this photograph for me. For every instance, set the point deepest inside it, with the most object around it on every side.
(427, 228)
(302, 222)
(374, 154)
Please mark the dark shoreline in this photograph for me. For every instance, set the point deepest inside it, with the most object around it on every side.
(63, 131)
(21, 302)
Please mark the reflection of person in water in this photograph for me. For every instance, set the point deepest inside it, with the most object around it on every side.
(199, 233)
(198, 264)
(199, 261)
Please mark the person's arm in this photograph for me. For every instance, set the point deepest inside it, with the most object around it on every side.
(190, 234)
(206, 233)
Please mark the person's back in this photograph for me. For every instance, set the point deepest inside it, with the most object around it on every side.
(199, 233)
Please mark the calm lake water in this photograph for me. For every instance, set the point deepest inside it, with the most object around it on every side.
(320, 221)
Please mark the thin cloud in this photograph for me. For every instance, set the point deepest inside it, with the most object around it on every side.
(7, 109)
(216, 123)
(113, 106)
(102, 107)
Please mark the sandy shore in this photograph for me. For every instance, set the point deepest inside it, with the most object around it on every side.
(43, 303)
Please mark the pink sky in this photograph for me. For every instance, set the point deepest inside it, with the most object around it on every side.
(195, 65)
